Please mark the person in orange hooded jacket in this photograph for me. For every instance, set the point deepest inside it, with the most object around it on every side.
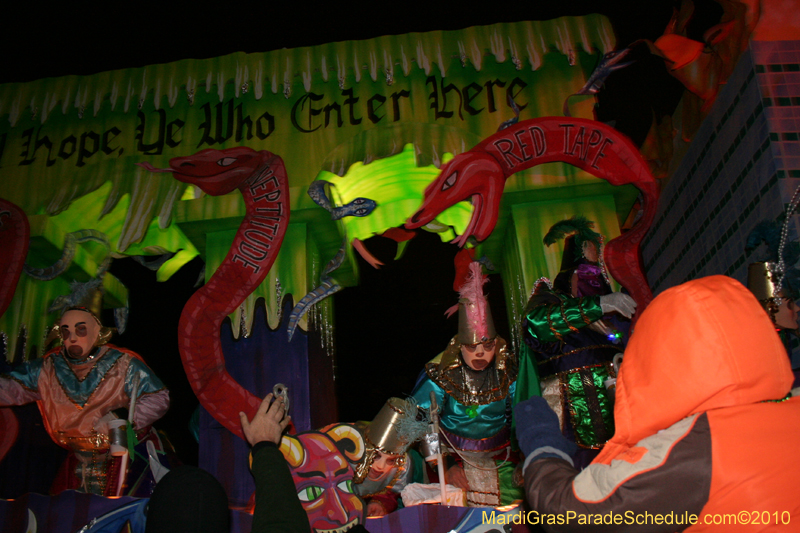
(705, 435)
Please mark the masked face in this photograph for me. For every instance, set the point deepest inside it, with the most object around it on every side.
(383, 465)
(324, 482)
(590, 252)
(479, 356)
(79, 331)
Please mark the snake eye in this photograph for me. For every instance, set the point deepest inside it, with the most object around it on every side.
(226, 161)
(360, 212)
(359, 201)
(450, 181)
(310, 493)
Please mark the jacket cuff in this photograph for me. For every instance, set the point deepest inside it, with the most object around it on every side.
(262, 444)
(543, 453)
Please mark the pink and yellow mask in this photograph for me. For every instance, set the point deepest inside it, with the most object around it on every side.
(320, 463)
(81, 332)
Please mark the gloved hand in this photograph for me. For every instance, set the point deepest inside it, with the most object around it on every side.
(619, 302)
(539, 432)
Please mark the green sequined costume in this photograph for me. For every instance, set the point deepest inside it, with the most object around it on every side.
(573, 355)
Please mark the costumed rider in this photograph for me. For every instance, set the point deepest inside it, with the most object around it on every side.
(703, 430)
(775, 279)
(473, 382)
(77, 387)
(388, 465)
(764, 282)
(574, 329)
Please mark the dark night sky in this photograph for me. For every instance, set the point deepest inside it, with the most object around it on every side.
(43, 42)
(39, 41)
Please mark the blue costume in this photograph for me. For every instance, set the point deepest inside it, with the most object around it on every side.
(475, 417)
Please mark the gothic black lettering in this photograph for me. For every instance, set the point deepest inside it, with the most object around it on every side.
(156, 147)
(109, 135)
(68, 147)
(261, 132)
(84, 151)
(312, 112)
(468, 98)
(372, 108)
(396, 103)
(349, 102)
(440, 111)
(490, 93)
(243, 121)
(512, 94)
(28, 154)
(330, 108)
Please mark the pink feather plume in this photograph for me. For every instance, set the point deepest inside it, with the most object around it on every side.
(472, 292)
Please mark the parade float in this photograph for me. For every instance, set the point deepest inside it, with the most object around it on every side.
(276, 169)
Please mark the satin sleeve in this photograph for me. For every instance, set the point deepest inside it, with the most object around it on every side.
(422, 393)
(551, 320)
(152, 397)
(21, 385)
(148, 381)
(12, 392)
(150, 407)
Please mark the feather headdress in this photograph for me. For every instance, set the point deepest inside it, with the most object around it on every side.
(578, 226)
(475, 320)
(409, 428)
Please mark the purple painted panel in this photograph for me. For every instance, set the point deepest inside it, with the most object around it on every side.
(257, 362)
(65, 513)
(70, 511)
(428, 518)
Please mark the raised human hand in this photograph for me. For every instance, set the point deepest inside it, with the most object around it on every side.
(268, 423)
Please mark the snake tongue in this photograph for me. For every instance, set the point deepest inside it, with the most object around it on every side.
(147, 166)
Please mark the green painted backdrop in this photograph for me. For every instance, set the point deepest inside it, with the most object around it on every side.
(375, 117)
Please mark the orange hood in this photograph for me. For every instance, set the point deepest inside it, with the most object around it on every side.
(703, 345)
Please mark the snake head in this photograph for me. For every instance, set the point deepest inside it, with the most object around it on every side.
(217, 172)
(474, 176)
(359, 207)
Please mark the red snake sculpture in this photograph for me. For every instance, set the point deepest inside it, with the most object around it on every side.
(261, 178)
(480, 175)
(15, 233)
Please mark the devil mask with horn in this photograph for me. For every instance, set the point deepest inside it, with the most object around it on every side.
(320, 462)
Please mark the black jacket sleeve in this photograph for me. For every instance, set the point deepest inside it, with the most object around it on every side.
(277, 510)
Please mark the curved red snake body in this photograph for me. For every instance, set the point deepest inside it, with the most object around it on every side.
(480, 175)
(261, 178)
(15, 236)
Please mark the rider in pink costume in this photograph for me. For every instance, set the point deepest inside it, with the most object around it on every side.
(77, 387)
